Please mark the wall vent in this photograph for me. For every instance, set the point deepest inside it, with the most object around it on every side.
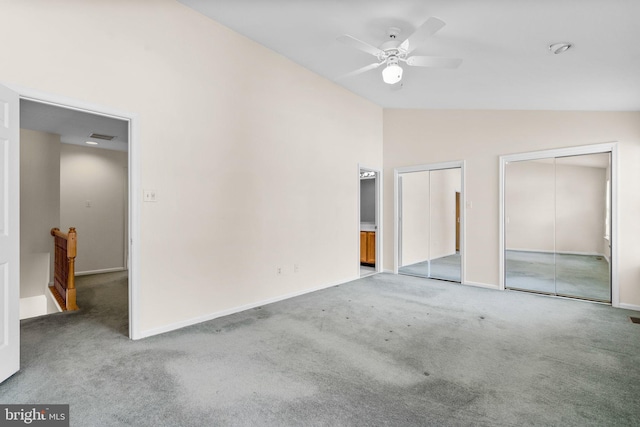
(101, 136)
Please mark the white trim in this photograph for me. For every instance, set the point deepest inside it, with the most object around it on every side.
(134, 182)
(481, 285)
(104, 270)
(195, 320)
(379, 222)
(460, 164)
(626, 306)
(611, 147)
(615, 218)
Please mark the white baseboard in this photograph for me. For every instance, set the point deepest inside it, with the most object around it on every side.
(207, 317)
(629, 306)
(481, 285)
(558, 252)
(106, 270)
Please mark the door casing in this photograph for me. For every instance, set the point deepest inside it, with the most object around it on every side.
(134, 202)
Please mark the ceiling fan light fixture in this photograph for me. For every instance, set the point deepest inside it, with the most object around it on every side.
(392, 73)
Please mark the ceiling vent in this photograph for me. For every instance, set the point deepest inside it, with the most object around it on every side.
(103, 137)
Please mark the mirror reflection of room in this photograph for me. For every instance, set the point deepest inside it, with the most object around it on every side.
(430, 224)
(557, 222)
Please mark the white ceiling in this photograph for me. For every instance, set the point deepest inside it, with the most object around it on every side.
(74, 127)
(503, 44)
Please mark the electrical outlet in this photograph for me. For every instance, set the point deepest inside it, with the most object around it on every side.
(149, 195)
(279, 271)
(296, 268)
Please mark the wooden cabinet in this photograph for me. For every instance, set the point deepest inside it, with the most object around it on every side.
(368, 247)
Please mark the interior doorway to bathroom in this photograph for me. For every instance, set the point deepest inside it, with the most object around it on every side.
(369, 181)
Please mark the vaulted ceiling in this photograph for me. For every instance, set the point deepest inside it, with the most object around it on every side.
(504, 45)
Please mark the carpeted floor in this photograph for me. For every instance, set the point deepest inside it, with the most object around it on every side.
(578, 276)
(385, 350)
(444, 268)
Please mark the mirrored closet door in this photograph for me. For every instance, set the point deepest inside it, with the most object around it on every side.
(557, 226)
(429, 224)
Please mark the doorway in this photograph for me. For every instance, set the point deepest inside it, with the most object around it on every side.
(369, 211)
(429, 221)
(74, 174)
(558, 223)
(109, 174)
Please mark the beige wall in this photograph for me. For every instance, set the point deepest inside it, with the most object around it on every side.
(93, 190)
(415, 137)
(228, 134)
(39, 209)
(580, 208)
(530, 209)
(555, 207)
(415, 217)
(444, 185)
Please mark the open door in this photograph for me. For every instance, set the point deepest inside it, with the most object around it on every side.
(9, 233)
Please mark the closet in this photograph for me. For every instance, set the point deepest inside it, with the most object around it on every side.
(557, 226)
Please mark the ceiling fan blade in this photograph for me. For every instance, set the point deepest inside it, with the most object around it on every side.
(361, 70)
(433, 62)
(360, 45)
(428, 28)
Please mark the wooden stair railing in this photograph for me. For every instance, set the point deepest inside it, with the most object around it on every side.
(64, 282)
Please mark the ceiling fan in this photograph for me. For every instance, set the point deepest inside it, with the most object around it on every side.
(392, 52)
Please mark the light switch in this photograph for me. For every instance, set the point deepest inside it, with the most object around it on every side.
(88, 203)
(469, 204)
(149, 195)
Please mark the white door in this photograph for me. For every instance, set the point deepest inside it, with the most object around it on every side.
(9, 233)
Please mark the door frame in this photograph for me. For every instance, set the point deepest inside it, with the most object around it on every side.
(134, 202)
(397, 173)
(378, 209)
(608, 147)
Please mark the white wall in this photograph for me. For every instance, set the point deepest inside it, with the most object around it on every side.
(228, 153)
(555, 207)
(415, 217)
(93, 190)
(480, 137)
(39, 209)
(580, 207)
(530, 208)
(444, 185)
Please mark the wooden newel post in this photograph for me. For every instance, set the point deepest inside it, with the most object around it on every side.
(66, 248)
(72, 247)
